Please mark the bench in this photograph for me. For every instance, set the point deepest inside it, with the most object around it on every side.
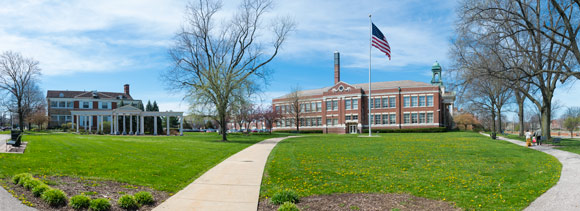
(556, 140)
(15, 139)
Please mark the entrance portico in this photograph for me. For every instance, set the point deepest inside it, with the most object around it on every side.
(124, 112)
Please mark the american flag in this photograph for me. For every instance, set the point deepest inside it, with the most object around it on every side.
(380, 41)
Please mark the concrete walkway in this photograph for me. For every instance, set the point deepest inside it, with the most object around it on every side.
(7, 201)
(234, 184)
(565, 195)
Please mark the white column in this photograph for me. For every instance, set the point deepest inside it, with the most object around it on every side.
(167, 125)
(154, 125)
(102, 125)
(78, 121)
(142, 125)
(181, 126)
(137, 125)
(130, 124)
(124, 125)
(112, 123)
(90, 123)
(451, 109)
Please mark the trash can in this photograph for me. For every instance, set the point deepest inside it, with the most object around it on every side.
(493, 135)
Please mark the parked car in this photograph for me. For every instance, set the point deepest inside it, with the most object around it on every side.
(254, 130)
(210, 130)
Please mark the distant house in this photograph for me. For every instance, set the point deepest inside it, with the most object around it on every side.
(61, 103)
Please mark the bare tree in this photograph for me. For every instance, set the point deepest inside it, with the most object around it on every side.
(295, 108)
(18, 75)
(517, 28)
(269, 115)
(211, 62)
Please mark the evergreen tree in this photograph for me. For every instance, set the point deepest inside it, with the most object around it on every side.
(149, 107)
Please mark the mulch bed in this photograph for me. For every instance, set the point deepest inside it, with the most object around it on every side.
(93, 188)
(377, 202)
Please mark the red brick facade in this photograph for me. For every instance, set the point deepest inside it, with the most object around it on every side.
(401, 105)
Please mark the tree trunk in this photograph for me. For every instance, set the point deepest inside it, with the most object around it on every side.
(222, 123)
(493, 128)
(521, 117)
(499, 119)
(546, 121)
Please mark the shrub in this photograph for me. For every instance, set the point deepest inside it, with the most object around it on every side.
(301, 131)
(25, 179)
(32, 183)
(288, 206)
(80, 202)
(100, 204)
(54, 197)
(128, 202)
(39, 190)
(144, 197)
(411, 130)
(285, 196)
(16, 178)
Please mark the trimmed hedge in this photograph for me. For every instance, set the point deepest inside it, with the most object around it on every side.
(144, 197)
(288, 206)
(301, 131)
(80, 202)
(411, 130)
(100, 204)
(128, 202)
(54, 197)
(284, 196)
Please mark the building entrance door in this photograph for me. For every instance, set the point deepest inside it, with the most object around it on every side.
(352, 129)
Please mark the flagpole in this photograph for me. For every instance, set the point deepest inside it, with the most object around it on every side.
(370, 47)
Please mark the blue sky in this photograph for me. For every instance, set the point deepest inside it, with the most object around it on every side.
(101, 45)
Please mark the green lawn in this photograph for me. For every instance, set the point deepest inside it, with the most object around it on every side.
(467, 168)
(161, 162)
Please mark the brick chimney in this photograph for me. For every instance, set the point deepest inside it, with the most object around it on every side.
(336, 67)
(127, 89)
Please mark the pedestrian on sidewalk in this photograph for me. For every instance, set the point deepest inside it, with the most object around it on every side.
(528, 137)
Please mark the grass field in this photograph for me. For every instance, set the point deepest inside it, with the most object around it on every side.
(161, 162)
(471, 170)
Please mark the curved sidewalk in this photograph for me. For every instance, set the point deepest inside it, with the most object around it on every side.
(565, 195)
(233, 184)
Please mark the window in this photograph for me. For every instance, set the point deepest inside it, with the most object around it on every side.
(86, 105)
(347, 104)
(407, 118)
(335, 105)
(414, 118)
(307, 123)
(385, 102)
(429, 117)
(422, 118)
(354, 117)
(406, 101)
(319, 121)
(392, 119)
(328, 105)
(421, 100)
(414, 102)
(377, 102)
(53, 104)
(283, 109)
(278, 108)
(372, 102)
(69, 104)
(354, 103)
(347, 117)
(334, 121)
(313, 105)
(372, 119)
(319, 106)
(104, 105)
(62, 104)
(385, 119)
(392, 102)
(377, 119)
(430, 100)
(328, 122)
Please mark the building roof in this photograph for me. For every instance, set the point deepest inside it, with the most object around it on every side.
(365, 86)
(87, 95)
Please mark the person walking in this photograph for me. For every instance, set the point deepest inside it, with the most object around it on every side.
(528, 137)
